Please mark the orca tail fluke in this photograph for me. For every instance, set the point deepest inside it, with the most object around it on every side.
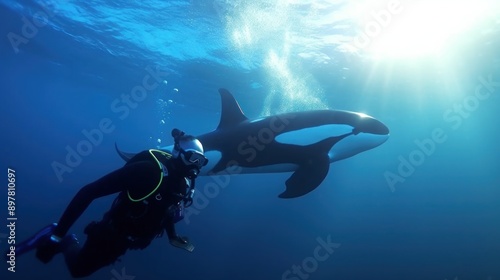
(124, 155)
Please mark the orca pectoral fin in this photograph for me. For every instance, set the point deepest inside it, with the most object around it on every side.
(307, 177)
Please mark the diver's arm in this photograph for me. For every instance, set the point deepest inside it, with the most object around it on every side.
(176, 240)
(170, 229)
(129, 176)
(179, 241)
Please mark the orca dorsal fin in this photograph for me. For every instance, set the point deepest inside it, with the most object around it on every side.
(231, 114)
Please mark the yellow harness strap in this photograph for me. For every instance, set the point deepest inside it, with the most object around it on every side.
(162, 174)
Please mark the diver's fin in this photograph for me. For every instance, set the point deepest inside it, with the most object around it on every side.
(307, 177)
(231, 113)
(183, 243)
(124, 155)
(35, 240)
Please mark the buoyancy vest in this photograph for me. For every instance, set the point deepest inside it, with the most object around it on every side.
(143, 215)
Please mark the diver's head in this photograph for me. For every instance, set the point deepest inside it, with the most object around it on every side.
(188, 152)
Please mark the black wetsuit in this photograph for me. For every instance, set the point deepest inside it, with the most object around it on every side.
(128, 224)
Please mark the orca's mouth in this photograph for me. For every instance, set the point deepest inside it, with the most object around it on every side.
(372, 126)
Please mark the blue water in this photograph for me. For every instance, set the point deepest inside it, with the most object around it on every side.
(439, 219)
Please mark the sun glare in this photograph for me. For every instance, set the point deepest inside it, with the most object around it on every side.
(419, 28)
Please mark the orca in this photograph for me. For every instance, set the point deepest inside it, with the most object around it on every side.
(304, 143)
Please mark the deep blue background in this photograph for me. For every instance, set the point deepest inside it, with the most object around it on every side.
(442, 222)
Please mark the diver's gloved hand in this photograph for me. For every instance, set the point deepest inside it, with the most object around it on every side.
(48, 249)
(182, 242)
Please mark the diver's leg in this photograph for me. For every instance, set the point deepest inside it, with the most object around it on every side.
(102, 248)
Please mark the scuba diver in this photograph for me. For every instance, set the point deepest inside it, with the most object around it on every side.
(154, 187)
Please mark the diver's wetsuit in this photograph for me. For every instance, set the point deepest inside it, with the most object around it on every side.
(128, 224)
